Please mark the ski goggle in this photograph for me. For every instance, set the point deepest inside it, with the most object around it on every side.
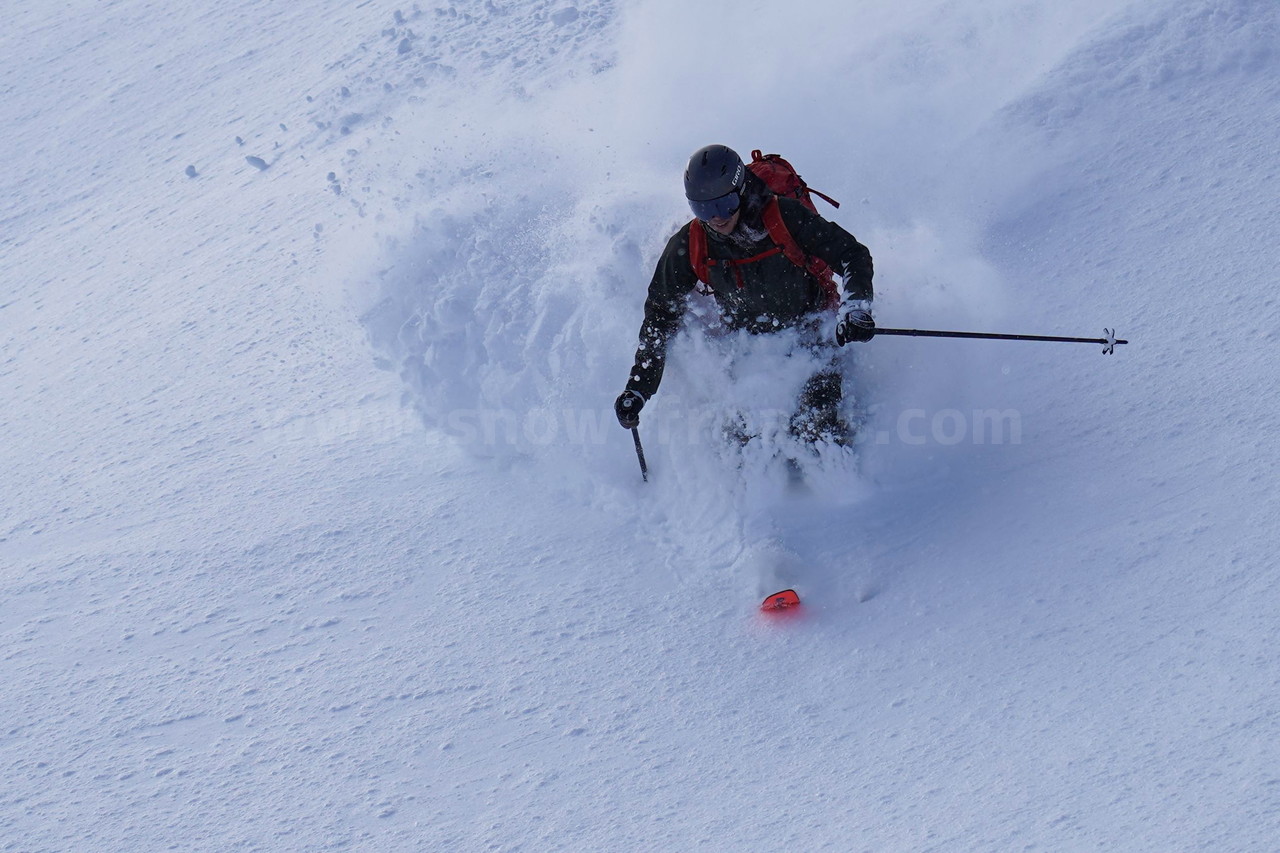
(716, 208)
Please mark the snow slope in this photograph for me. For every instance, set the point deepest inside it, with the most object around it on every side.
(319, 533)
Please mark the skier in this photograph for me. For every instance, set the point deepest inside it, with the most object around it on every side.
(755, 285)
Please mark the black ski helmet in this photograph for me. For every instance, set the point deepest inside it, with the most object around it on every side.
(714, 171)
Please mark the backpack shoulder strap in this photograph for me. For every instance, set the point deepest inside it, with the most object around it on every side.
(816, 267)
(781, 235)
(698, 257)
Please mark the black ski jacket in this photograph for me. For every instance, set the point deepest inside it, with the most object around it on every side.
(773, 293)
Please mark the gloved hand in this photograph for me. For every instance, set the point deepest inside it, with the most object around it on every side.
(856, 324)
(627, 407)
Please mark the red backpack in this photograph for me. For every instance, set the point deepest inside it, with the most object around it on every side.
(782, 180)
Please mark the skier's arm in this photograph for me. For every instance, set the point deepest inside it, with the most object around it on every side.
(834, 245)
(663, 311)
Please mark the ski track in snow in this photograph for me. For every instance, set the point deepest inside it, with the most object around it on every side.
(319, 532)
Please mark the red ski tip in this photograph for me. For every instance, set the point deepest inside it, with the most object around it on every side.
(784, 600)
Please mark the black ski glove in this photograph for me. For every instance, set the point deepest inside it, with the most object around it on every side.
(856, 325)
(627, 407)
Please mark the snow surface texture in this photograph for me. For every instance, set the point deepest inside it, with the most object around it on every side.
(319, 533)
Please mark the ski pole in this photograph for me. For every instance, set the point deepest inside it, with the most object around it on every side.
(644, 469)
(1108, 343)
